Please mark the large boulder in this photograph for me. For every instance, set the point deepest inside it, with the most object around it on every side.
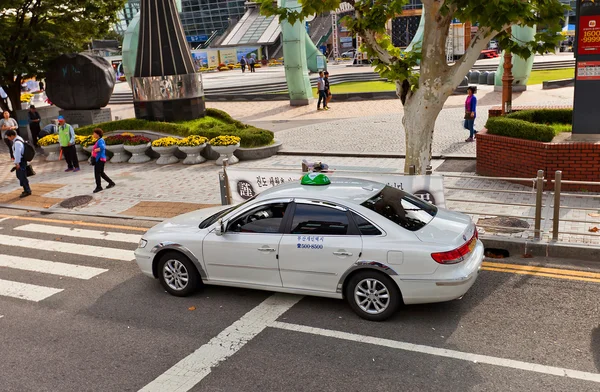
(80, 82)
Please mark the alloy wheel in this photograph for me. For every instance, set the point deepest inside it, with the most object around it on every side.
(372, 296)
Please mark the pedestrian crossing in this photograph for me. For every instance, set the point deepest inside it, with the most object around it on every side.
(27, 249)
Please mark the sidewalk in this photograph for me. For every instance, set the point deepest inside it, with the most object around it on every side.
(149, 190)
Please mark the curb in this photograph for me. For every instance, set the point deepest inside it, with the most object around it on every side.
(517, 247)
(78, 213)
(353, 154)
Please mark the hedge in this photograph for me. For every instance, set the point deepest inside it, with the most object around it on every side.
(223, 124)
(544, 116)
(520, 129)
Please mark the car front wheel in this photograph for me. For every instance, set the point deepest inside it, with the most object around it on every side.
(177, 274)
(373, 295)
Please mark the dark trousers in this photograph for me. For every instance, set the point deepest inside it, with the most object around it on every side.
(323, 98)
(70, 155)
(99, 174)
(22, 176)
(243, 68)
(35, 132)
(252, 69)
(470, 125)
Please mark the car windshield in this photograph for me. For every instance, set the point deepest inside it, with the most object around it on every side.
(402, 208)
(215, 217)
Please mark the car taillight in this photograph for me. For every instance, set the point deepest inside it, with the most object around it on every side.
(457, 255)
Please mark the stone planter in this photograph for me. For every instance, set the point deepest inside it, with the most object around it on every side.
(89, 149)
(226, 152)
(52, 152)
(119, 154)
(193, 156)
(81, 156)
(138, 153)
(166, 155)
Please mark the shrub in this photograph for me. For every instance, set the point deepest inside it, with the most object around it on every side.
(251, 137)
(544, 116)
(520, 129)
(137, 125)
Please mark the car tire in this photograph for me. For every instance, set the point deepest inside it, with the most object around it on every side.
(178, 275)
(373, 295)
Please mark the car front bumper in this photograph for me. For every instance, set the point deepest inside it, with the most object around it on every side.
(445, 287)
(144, 258)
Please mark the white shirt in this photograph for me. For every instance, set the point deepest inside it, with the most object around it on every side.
(18, 149)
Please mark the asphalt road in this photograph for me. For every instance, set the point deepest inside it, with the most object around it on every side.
(112, 329)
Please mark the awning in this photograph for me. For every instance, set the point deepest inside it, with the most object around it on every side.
(253, 29)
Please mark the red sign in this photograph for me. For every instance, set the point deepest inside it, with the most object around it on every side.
(588, 70)
(589, 35)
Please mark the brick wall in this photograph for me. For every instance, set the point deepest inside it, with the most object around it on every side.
(500, 156)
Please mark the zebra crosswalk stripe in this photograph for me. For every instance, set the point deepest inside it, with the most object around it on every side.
(80, 233)
(50, 267)
(26, 291)
(65, 247)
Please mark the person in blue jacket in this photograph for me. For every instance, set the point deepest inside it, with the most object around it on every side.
(99, 155)
(471, 114)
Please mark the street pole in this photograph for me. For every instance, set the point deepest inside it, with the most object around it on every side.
(507, 80)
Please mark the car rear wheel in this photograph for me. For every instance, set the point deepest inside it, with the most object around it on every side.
(177, 274)
(373, 295)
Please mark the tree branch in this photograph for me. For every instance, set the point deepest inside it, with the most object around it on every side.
(382, 54)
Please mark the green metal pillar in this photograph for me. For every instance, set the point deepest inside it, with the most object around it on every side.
(521, 67)
(294, 54)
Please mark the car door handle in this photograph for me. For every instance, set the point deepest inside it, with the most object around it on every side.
(342, 253)
(265, 249)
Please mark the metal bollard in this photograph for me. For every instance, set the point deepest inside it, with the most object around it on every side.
(538, 204)
(412, 170)
(428, 170)
(226, 179)
(556, 218)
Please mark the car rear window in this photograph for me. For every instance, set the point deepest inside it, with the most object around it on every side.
(402, 208)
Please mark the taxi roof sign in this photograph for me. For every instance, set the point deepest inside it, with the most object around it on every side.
(315, 179)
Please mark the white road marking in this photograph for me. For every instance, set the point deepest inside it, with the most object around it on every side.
(29, 292)
(441, 352)
(50, 267)
(81, 233)
(193, 368)
(64, 247)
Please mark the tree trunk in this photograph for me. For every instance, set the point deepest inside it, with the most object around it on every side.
(14, 95)
(420, 113)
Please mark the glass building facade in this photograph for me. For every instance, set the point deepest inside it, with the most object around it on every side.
(201, 18)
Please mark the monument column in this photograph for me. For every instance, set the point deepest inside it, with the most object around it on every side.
(165, 85)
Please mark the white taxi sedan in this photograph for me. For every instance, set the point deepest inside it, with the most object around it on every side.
(374, 245)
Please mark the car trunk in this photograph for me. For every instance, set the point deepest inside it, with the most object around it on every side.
(448, 227)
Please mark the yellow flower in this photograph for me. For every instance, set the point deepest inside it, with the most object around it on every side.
(192, 141)
(165, 142)
(127, 134)
(48, 140)
(225, 140)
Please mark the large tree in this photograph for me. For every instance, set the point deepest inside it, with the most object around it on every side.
(33, 32)
(424, 80)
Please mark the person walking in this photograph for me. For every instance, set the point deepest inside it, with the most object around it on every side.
(66, 139)
(470, 114)
(18, 151)
(243, 64)
(8, 124)
(99, 155)
(34, 124)
(321, 89)
(327, 88)
(252, 64)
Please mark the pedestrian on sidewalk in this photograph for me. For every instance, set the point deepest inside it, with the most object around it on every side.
(66, 139)
(327, 89)
(34, 124)
(322, 94)
(243, 64)
(99, 161)
(8, 124)
(252, 64)
(18, 151)
(470, 114)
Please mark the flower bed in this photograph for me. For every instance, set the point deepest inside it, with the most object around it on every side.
(137, 141)
(165, 142)
(48, 140)
(115, 140)
(226, 140)
(192, 141)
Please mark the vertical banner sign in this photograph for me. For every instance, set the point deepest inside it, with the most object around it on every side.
(586, 117)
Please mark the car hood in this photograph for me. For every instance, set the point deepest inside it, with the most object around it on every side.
(448, 227)
(188, 221)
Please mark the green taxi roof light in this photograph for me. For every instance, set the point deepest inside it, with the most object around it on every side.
(315, 179)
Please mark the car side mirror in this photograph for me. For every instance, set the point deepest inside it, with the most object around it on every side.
(220, 229)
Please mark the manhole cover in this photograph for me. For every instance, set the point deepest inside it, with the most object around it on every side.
(503, 225)
(76, 201)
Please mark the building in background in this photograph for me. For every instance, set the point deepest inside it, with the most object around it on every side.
(132, 7)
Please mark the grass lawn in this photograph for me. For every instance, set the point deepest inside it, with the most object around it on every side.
(560, 128)
(537, 77)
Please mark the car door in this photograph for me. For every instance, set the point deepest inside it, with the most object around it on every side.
(246, 252)
(320, 244)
